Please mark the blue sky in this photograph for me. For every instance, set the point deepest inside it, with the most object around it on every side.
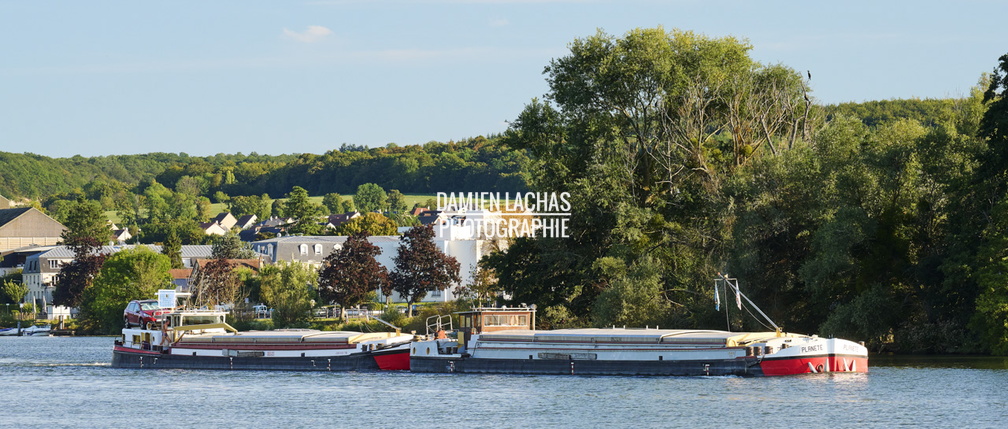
(205, 77)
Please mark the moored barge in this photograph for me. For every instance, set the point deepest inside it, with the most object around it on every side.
(505, 341)
(200, 339)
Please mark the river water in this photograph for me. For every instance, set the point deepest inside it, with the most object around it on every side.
(67, 382)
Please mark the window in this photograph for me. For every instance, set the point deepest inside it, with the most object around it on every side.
(54, 264)
(318, 249)
(304, 249)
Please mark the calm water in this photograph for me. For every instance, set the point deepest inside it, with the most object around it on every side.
(66, 382)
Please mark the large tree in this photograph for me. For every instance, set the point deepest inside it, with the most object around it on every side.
(351, 275)
(370, 198)
(990, 197)
(643, 131)
(420, 267)
(129, 274)
(172, 248)
(336, 204)
(288, 289)
(304, 211)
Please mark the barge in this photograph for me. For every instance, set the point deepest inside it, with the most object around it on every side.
(505, 341)
(200, 339)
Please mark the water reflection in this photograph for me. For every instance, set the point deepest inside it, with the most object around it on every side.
(939, 361)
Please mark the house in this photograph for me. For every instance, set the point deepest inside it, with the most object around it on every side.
(225, 220)
(276, 222)
(213, 228)
(334, 221)
(417, 210)
(428, 217)
(121, 235)
(313, 249)
(5, 203)
(180, 278)
(41, 268)
(252, 234)
(27, 227)
(14, 260)
(246, 221)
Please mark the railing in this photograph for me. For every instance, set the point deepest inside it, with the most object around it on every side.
(438, 324)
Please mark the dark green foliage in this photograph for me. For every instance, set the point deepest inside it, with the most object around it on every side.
(172, 248)
(306, 213)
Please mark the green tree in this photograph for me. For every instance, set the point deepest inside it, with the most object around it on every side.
(335, 203)
(990, 193)
(221, 197)
(371, 223)
(13, 291)
(135, 273)
(351, 275)
(230, 246)
(172, 248)
(370, 198)
(420, 267)
(304, 211)
(397, 202)
(251, 205)
(643, 131)
(288, 289)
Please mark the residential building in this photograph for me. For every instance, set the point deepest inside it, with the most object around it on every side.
(247, 221)
(225, 220)
(27, 227)
(121, 235)
(213, 228)
(334, 221)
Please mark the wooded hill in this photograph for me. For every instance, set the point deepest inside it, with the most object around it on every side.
(477, 164)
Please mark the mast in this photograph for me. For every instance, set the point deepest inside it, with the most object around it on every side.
(733, 283)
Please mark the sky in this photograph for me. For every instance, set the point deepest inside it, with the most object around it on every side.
(96, 78)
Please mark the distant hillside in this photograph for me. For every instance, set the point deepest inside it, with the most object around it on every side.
(477, 164)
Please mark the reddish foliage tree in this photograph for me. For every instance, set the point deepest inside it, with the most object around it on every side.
(350, 274)
(420, 267)
(216, 283)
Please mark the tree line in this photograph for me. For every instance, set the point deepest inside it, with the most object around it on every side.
(476, 164)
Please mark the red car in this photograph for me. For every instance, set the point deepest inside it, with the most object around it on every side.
(142, 313)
